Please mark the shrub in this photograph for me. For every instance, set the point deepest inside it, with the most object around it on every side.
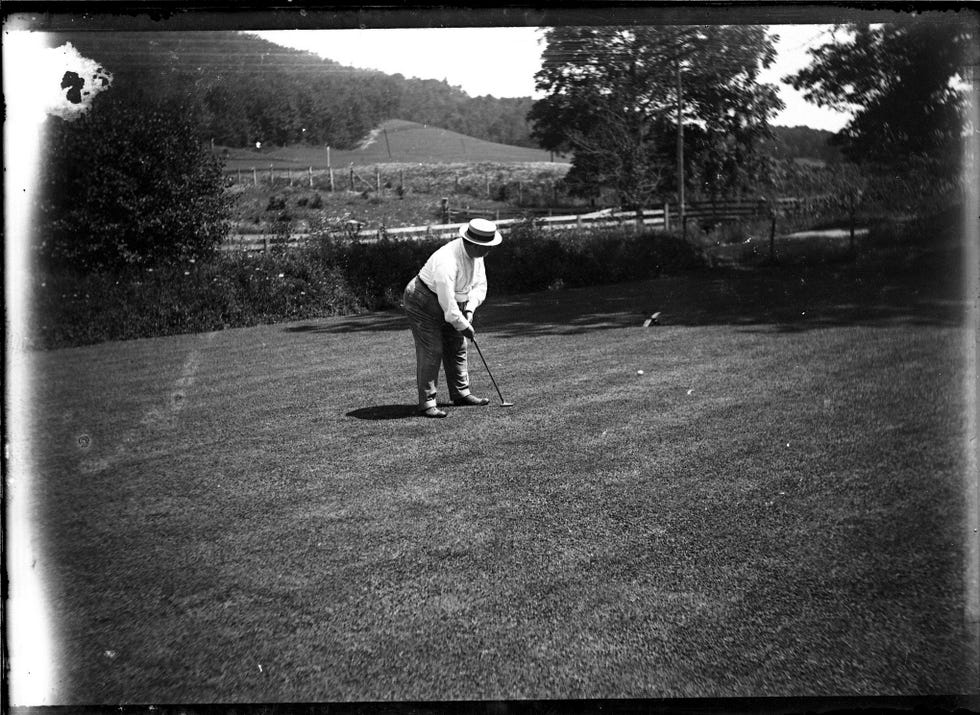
(328, 275)
(129, 183)
(76, 308)
(531, 259)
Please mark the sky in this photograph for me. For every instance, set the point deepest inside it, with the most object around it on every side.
(508, 57)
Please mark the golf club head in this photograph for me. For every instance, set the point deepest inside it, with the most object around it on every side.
(506, 404)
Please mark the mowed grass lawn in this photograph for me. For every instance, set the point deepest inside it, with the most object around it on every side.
(775, 507)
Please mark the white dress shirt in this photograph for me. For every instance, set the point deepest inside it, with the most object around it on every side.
(456, 279)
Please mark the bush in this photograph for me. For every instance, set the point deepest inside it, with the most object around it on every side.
(276, 203)
(376, 272)
(328, 275)
(531, 259)
(74, 308)
(129, 183)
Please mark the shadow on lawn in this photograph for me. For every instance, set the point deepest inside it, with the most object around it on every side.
(374, 322)
(777, 299)
(534, 313)
(384, 412)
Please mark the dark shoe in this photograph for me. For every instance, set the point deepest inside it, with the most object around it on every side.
(432, 412)
(471, 401)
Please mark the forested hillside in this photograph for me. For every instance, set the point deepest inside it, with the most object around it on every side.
(245, 89)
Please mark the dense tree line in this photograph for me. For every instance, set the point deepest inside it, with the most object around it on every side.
(243, 89)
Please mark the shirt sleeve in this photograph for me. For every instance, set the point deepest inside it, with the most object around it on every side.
(444, 277)
(478, 293)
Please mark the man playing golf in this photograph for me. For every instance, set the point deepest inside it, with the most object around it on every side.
(439, 303)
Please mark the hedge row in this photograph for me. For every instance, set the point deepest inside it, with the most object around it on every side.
(326, 277)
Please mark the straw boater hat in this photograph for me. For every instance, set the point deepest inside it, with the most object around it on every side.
(481, 232)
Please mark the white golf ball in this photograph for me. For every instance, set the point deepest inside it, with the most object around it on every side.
(639, 372)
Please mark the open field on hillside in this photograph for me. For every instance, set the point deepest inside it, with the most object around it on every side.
(775, 507)
(478, 186)
(428, 163)
(394, 141)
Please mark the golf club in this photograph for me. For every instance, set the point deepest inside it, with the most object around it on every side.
(502, 402)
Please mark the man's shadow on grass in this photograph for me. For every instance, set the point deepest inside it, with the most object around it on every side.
(384, 412)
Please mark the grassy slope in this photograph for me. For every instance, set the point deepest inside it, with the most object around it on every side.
(430, 160)
(772, 509)
(407, 142)
(425, 186)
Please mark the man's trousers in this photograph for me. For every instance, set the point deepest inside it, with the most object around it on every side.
(436, 341)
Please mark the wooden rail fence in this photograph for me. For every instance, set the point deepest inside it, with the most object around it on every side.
(703, 213)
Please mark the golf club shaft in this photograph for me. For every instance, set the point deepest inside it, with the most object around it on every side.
(480, 352)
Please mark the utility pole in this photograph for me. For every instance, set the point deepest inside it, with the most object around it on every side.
(680, 152)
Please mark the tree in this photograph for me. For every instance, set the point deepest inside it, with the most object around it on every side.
(130, 182)
(249, 89)
(612, 95)
(900, 81)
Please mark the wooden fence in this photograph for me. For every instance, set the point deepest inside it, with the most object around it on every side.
(704, 214)
(347, 179)
(334, 180)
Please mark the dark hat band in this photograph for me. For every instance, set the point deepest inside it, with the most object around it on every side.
(478, 236)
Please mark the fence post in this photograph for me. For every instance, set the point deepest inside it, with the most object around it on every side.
(488, 187)
(330, 170)
(255, 177)
(772, 234)
(377, 178)
(311, 176)
(239, 176)
(666, 216)
(265, 240)
(271, 178)
(445, 209)
(351, 178)
(289, 175)
(851, 202)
